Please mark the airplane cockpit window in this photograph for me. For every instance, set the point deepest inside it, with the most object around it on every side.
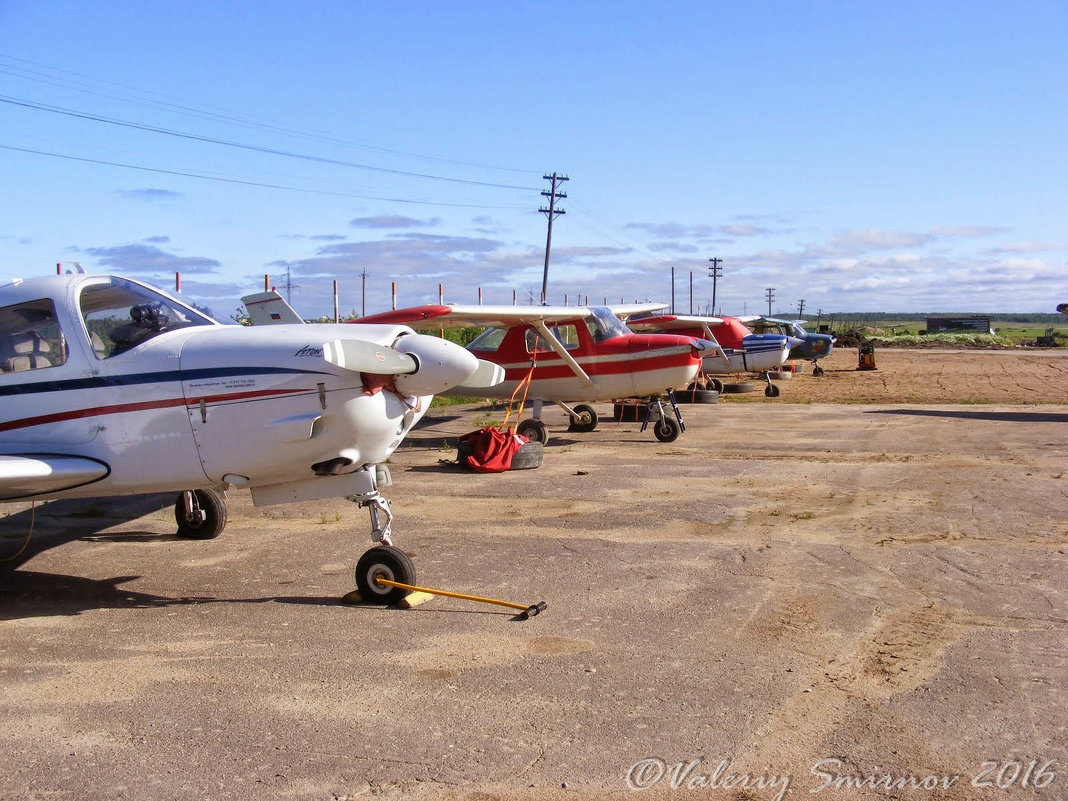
(30, 337)
(488, 340)
(120, 315)
(602, 325)
(566, 335)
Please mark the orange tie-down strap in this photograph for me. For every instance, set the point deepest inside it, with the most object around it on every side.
(522, 385)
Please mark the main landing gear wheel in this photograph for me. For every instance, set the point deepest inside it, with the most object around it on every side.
(584, 419)
(771, 391)
(667, 429)
(716, 384)
(534, 430)
(817, 370)
(206, 515)
(389, 563)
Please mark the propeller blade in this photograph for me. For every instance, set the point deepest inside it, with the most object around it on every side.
(488, 374)
(362, 356)
(709, 345)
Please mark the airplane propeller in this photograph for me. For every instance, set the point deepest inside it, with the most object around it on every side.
(423, 365)
(362, 356)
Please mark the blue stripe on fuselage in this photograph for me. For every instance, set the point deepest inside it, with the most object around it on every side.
(132, 379)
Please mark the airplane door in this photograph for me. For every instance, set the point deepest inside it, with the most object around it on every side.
(45, 387)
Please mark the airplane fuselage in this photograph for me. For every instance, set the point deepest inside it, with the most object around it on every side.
(628, 365)
(202, 406)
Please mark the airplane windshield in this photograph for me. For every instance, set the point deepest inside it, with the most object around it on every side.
(120, 315)
(603, 325)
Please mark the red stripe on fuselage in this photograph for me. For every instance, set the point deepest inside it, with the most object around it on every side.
(552, 366)
(123, 408)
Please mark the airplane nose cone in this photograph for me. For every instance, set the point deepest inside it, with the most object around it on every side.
(441, 365)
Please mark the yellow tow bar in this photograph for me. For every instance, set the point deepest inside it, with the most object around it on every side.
(526, 612)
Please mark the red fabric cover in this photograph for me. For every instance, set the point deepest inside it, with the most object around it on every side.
(492, 449)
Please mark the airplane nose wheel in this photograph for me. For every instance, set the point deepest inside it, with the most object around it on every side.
(388, 562)
(667, 429)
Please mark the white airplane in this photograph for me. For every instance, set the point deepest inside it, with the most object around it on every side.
(111, 387)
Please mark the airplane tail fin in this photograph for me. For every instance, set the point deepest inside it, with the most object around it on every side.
(269, 308)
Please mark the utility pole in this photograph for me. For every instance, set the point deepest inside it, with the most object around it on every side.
(800, 308)
(714, 272)
(552, 211)
(770, 294)
(363, 293)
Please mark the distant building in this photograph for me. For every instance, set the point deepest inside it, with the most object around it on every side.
(941, 325)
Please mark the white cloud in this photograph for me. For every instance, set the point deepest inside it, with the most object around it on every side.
(392, 221)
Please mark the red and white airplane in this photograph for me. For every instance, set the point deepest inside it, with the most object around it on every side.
(733, 349)
(111, 387)
(569, 354)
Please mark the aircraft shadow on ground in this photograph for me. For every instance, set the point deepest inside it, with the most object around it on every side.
(27, 533)
(31, 594)
(969, 414)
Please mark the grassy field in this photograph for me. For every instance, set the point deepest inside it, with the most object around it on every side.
(1013, 332)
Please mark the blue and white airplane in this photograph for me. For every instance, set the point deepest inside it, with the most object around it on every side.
(111, 387)
(811, 346)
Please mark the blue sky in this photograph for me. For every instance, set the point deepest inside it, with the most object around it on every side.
(895, 156)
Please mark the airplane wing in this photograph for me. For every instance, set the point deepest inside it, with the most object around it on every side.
(269, 308)
(459, 316)
(628, 310)
(672, 322)
(23, 476)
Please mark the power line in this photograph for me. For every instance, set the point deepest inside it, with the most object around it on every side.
(255, 148)
(206, 112)
(250, 183)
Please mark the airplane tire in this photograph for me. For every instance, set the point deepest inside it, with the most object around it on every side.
(585, 419)
(527, 457)
(667, 429)
(534, 430)
(771, 391)
(697, 396)
(389, 563)
(214, 506)
(740, 387)
(716, 384)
